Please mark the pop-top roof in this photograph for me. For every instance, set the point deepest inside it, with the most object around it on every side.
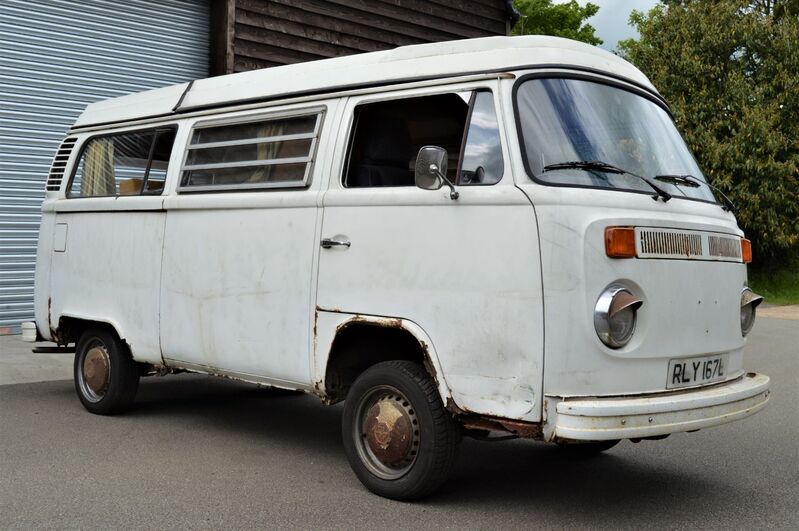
(420, 61)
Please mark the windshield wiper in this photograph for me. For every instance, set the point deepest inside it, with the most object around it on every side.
(608, 168)
(694, 182)
(682, 180)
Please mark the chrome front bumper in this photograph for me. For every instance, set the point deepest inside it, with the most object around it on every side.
(599, 419)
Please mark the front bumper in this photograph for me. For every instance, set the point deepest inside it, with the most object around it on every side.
(600, 419)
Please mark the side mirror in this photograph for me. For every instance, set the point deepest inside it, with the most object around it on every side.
(430, 163)
(430, 172)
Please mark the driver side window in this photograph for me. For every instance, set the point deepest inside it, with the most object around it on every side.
(387, 137)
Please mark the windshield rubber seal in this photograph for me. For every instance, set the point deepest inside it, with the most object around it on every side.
(602, 80)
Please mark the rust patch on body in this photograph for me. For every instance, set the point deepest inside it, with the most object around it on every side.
(453, 408)
(53, 330)
(386, 322)
(428, 362)
(519, 428)
(527, 430)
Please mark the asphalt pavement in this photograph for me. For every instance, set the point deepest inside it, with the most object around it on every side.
(205, 453)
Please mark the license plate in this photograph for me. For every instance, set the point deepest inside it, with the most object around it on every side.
(685, 372)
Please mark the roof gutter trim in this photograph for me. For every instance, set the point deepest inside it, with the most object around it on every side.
(178, 110)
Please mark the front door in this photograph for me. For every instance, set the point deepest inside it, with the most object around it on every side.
(240, 246)
(465, 270)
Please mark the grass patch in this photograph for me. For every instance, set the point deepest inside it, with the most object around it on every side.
(780, 287)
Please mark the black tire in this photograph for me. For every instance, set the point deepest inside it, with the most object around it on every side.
(435, 444)
(587, 449)
(112, 391)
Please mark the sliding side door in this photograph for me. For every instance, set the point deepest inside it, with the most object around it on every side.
(241, 244)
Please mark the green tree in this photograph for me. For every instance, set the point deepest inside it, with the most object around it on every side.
(542, 17)
(730, 70)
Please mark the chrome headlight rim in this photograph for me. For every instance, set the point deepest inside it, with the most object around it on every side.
(749, 299)
(614, 299)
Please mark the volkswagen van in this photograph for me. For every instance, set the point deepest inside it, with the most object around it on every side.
(499, 237)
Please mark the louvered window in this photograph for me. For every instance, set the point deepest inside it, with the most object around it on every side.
(274, 152)
(59, 164)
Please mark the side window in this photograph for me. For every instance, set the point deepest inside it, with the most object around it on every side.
(162, 150)
(482, 152)
(388, 135)
(132, 163)
(275, 152)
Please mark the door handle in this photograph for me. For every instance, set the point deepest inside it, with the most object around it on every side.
(327, 243)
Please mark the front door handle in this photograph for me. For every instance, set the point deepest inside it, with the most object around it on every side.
(327, 243)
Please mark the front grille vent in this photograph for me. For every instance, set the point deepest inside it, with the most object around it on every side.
(724, 247)
(676, 244)
(59, 165)
(671, 243)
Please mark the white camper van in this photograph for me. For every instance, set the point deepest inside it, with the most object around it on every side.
(493, 236)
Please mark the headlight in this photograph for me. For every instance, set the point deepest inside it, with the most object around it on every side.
(615, 316)
(749, 301)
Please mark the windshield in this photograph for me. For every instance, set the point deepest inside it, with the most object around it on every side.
(571, 120)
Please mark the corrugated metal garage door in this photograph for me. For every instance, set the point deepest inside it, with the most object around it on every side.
(55, 57)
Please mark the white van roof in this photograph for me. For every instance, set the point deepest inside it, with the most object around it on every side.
(407, 63)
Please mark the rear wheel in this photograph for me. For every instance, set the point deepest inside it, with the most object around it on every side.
(587, 449)
(106, 377)
(400, 440)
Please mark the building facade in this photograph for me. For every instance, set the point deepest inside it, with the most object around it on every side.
(56, 56)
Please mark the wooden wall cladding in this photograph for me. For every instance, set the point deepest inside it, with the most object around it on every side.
(250, 34)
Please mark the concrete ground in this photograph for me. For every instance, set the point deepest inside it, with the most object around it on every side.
(203, 453)
(19, 365)
(780, 312)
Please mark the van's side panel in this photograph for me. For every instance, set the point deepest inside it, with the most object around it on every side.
(110, 267)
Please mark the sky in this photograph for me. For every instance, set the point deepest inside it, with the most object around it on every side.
(611, 20)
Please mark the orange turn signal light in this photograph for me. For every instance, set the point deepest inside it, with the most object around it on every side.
(746, 250)
(620, 242)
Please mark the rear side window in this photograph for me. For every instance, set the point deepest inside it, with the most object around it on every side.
(275, 152)
(133, 163)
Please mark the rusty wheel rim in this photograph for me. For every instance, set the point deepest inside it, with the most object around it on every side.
(94, 375)
(386, 432)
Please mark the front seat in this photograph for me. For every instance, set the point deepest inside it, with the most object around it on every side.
(386, 155)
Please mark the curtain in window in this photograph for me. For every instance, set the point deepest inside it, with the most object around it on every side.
(267, 151)
(98, 177)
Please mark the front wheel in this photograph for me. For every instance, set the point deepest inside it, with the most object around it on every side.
(400, 440)
(106, 377)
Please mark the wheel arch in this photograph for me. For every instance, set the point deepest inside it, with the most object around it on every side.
(346, 344)
(70, 327)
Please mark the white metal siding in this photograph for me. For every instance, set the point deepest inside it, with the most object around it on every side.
(55, 57)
